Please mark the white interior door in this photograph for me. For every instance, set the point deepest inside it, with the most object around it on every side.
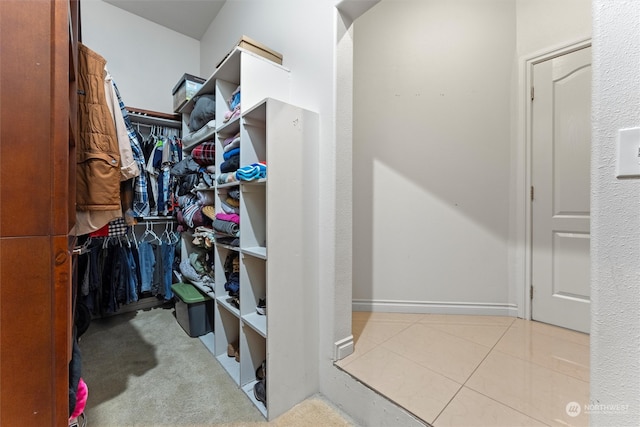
(560, 177)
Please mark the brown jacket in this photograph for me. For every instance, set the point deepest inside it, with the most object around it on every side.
(97, 151)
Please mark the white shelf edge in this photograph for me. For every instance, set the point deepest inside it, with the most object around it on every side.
(205, 136)
(253, 122)
(228, 184)
(228, 128)
(262, 103)
(231, 366)
(229, 247)
(209, 83)
(255, 251)
(248, 389)
(208, 340)
(223, 302)
(253, 181)
(257, 322)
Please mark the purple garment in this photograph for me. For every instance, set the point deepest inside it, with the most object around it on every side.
(228, 217)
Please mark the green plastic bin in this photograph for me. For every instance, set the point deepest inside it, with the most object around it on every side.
(194, 310)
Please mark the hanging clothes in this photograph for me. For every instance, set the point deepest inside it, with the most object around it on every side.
(119, 270)
(140, 199)
(98, 155)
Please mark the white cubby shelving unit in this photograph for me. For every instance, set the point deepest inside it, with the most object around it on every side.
(274, 243)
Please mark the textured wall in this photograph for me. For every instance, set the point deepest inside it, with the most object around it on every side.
(615, 227)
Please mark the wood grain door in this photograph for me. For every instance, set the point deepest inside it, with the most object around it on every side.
(37, 100)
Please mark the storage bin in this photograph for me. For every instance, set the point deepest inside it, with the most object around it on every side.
(194, 310)
(185, 89)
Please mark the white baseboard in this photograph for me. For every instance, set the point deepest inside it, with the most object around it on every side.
(436, 307)
(343, 348)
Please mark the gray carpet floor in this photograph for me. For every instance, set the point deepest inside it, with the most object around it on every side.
(142, 369)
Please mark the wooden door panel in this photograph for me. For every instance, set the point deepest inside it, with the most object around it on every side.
(25, 154)
(26, 341)
(35, 184)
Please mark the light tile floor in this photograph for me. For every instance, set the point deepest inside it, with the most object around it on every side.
(451, 370)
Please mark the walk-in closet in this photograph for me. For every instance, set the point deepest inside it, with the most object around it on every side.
(234, 212)
(211, 225)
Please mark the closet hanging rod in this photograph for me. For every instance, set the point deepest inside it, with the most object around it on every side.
(151, 113)
(155, 219)
(149, 117)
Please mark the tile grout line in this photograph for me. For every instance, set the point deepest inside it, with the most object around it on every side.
(376, 345)
(539, 364)
(474, 371)
(489, 397)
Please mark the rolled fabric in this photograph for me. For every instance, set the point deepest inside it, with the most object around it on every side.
(226, 227)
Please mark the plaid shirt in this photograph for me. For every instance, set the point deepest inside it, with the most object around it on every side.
(140, 195)
(118, 227)
(205, 153)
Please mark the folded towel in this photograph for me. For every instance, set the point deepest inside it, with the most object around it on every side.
(252, 172)
(228, 154)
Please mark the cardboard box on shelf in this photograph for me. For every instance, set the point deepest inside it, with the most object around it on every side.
(257, 48)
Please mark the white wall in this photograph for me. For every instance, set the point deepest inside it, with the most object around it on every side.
(439, 163)
(145, 59)
(542, 24)
(615, 218)
(431, 155)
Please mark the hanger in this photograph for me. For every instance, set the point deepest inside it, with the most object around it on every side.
(174, 235)
(165, 233)
(133, 235)
(126, 240)
(84, 248)
(149, 232)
